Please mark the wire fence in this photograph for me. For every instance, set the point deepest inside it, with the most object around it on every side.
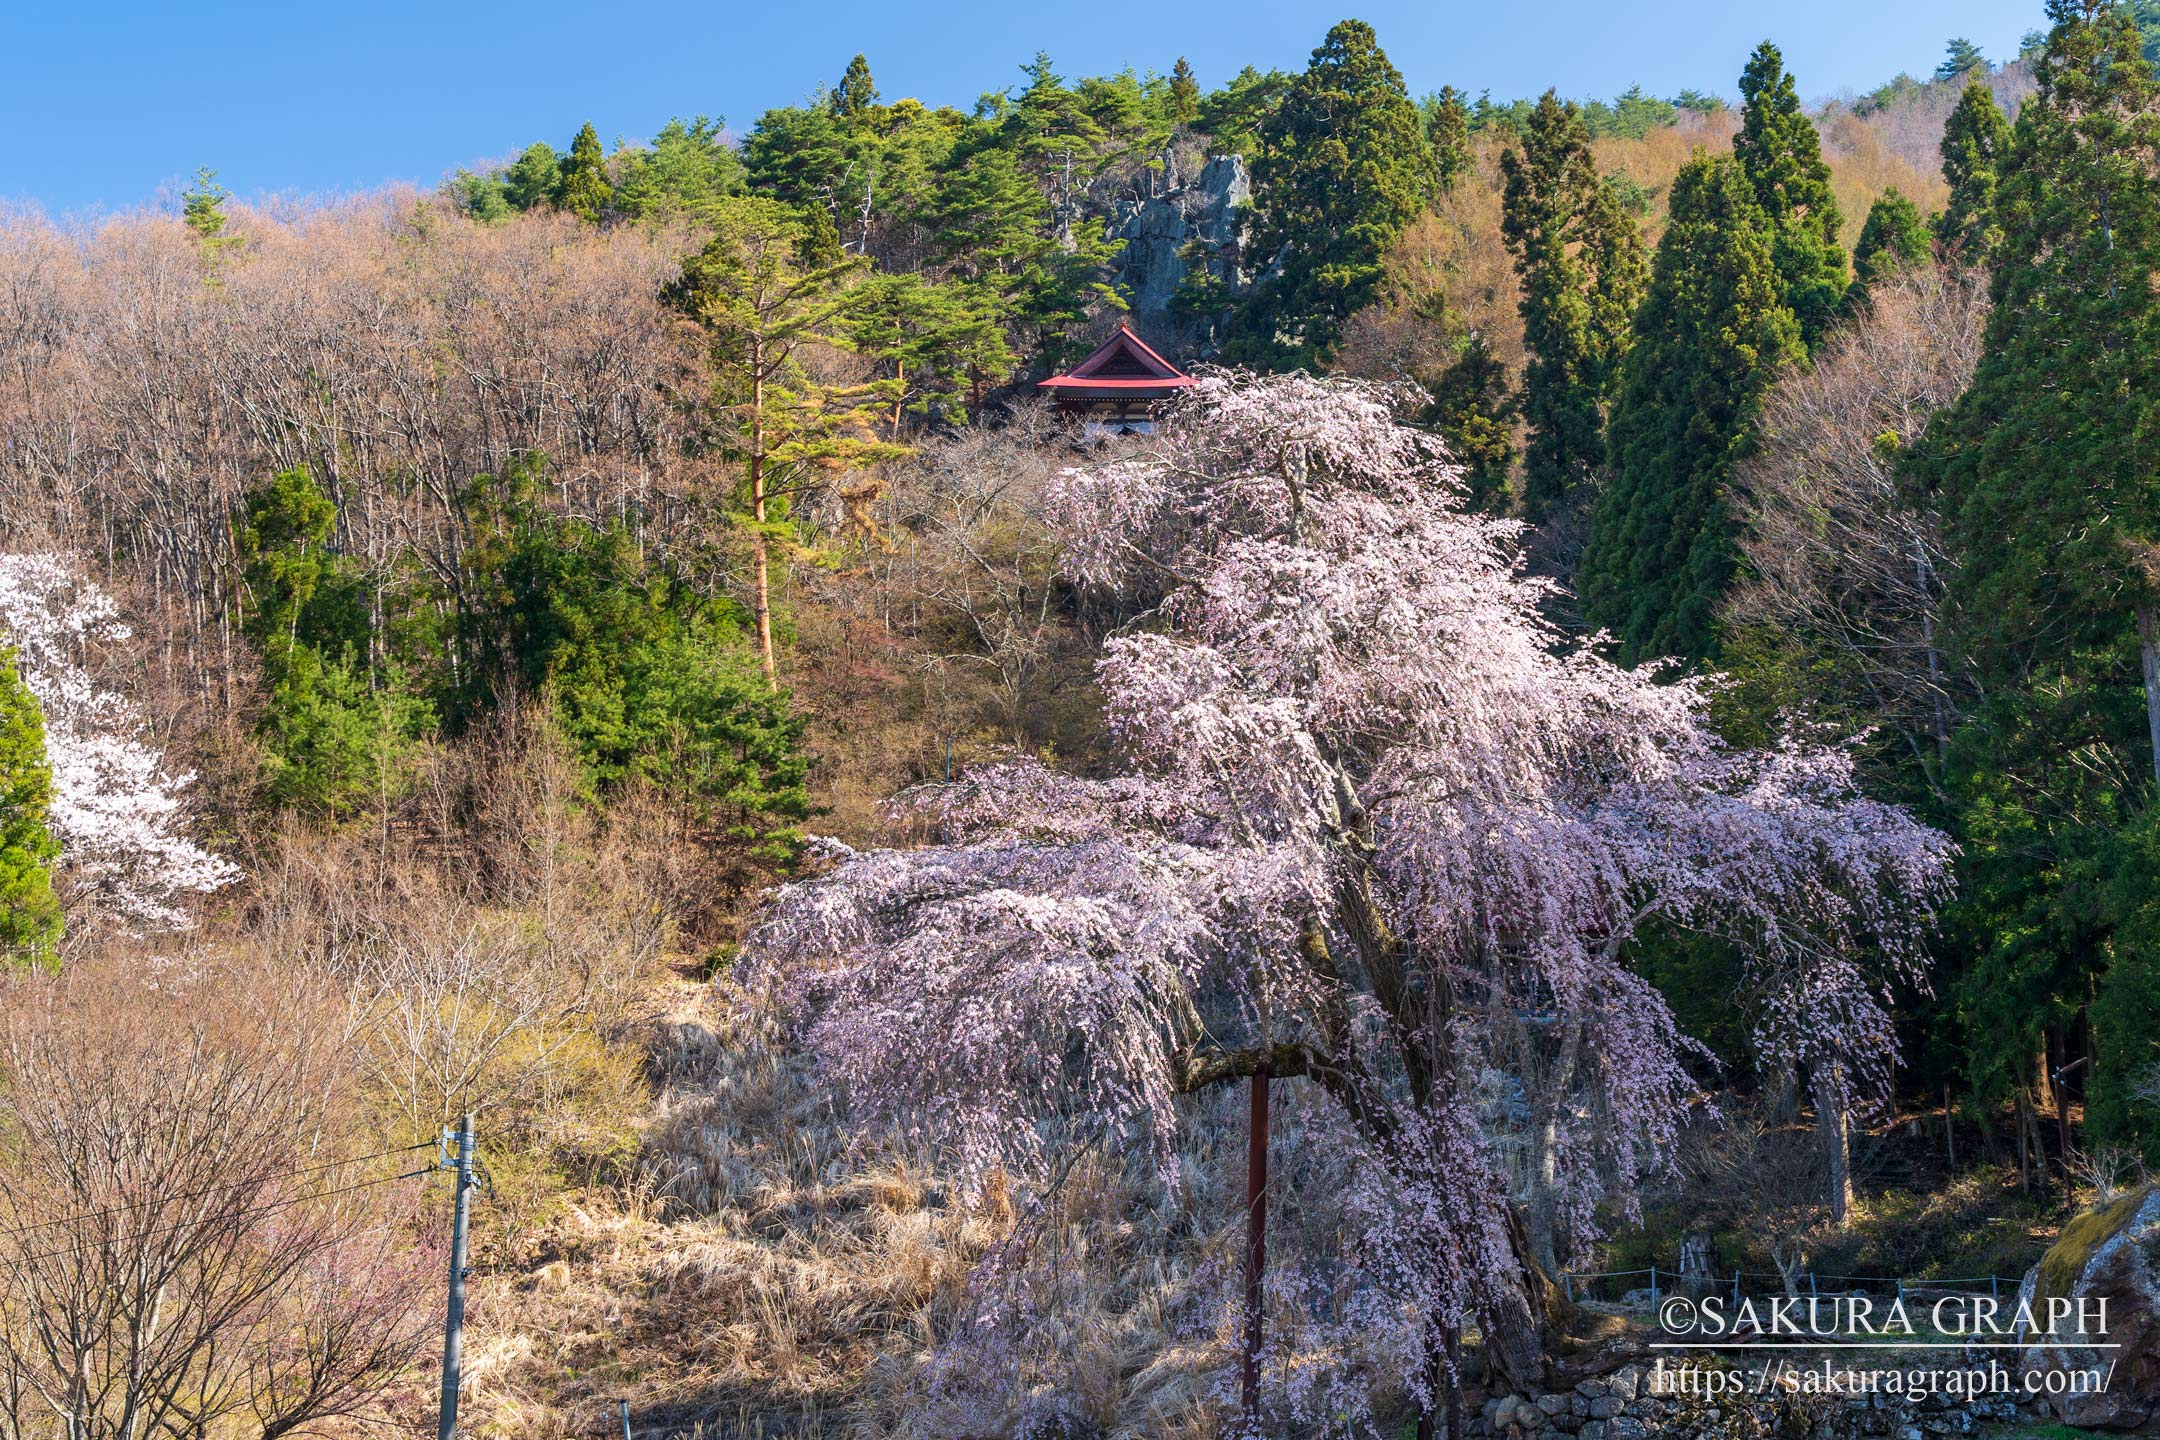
(1658, 1281)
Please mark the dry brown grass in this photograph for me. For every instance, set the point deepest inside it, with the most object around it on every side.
(771, 1273)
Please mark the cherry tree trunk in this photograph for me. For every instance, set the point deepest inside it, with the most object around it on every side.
(1834, 1116)
(1521, 1318)
(1545, 1195)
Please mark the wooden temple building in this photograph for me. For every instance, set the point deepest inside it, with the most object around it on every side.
(1116, 390)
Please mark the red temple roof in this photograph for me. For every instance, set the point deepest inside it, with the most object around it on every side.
(1122, 365)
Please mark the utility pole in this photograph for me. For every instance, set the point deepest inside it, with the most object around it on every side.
(454, 1321)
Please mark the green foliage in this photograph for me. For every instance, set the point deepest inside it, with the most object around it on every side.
(534, 178)
(2122, 1105)
(585, 191)
(1781, 156)
(202, 207)
(647, 677)
(1631, 115)
(1341, 171)
(1447, 136)
(1579, 255)
(933, 343)
(340, 719)
(1975, 142)
(30, 920)
(1962, 57)
(687, 170)
(1184, 93)
(1233, 115)
(1473, 407)
(2043, 474)
(2045, 464)
(1895, 93)
(1708, 340)
(1894, 236)
(857, 94)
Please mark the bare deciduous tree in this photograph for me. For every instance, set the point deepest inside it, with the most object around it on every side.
(1839, 548)
(192, 1235)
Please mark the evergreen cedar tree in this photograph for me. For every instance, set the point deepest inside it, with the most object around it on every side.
(1708, 342)
(1473, 407)
(334, 730)
(1975, 141)
(1580, 258)
(1379, 827)
(1894, 236)
(29, 911)
(1342, 169)
(584, 189)
(1184, 93)
(857, 93)
(1781, 156)
(1447, 133)
(2044, 474)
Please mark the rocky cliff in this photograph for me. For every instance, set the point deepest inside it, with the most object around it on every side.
(1166, 234)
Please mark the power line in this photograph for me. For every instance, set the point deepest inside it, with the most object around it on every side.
(286, 1203)
(213, 1189)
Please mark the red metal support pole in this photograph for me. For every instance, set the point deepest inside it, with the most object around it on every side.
(1256, 1177)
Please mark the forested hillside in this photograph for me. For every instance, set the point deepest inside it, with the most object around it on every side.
(1626, 699)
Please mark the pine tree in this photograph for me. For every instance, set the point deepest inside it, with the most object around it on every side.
(857, 95)
(30, 919)
(933, 342)
(1894, 236)
(1342, 170)
(1184, 93)
(1975, 141)
(762, 291)
(1962, 57)
(584, 190)
(1781, 155)
(1579, 255)
(1447, 134)
(1709, 339)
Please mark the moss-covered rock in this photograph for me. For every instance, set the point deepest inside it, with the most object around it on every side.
(2106, 1263)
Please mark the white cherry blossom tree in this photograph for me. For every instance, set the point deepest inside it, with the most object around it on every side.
(119, 814)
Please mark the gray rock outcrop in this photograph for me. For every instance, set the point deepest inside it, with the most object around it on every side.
(1163, 235)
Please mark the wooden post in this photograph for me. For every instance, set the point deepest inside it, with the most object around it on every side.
(1256, 1177)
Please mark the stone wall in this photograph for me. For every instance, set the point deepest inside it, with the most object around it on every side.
(1629, 1404)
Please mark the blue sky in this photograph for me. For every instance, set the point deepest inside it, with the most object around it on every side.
(111, 105)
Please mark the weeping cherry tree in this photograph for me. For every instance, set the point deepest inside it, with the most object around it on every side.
(1382, 830)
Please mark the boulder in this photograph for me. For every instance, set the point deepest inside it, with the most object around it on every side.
(2110, 1256)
